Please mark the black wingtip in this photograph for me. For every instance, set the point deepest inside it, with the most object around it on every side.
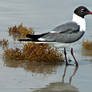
(35, 37)
(24, 40)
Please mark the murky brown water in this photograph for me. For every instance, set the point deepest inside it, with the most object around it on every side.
(43, 15)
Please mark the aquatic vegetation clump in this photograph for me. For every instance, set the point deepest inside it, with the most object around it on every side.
(20, 31)
(14, 54)
(4, 42)
(87, 45)
(35, 52)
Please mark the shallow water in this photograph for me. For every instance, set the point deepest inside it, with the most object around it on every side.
(43, 15)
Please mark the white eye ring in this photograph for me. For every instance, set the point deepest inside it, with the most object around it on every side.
(82, 10)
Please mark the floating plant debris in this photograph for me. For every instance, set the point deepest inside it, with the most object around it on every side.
(87, 48)
(87, 45)
(20, 31)
(86, 52)
(35, 52)
(4, 42)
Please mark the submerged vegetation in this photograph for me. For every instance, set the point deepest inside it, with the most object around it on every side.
(35, 52)
(34, 67)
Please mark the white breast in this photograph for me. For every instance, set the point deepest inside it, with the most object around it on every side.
(80, 21)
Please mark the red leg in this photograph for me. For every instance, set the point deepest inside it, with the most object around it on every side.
(74, 57)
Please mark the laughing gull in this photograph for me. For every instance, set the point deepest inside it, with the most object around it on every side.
(66, 33)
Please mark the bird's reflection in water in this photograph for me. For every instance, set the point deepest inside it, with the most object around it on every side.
(70, 79)
(61, 86)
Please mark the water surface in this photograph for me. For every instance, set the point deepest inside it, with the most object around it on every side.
(43, 15)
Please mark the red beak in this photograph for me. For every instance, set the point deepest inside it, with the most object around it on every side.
(89, 12)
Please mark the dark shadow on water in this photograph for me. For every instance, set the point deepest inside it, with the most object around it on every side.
(61, 86)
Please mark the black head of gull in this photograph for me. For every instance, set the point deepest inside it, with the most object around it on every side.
(65, 33)
(78, 17)
(82, 11)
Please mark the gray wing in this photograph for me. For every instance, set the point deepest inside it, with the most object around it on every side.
(63, 37)
(67, 27)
